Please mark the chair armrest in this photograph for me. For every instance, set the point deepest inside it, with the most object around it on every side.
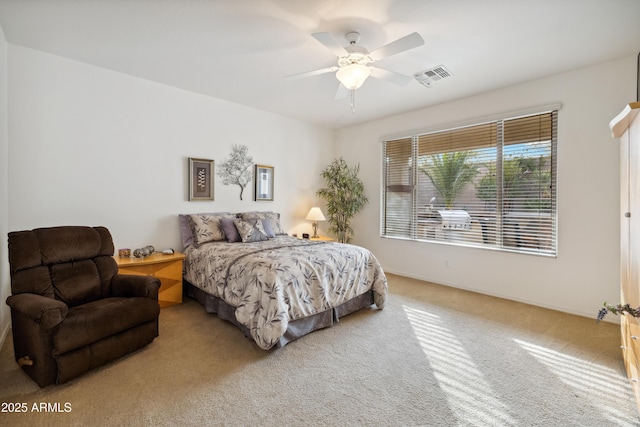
(130, 285)
(47, 311)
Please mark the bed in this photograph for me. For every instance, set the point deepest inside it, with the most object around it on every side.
(279, 288)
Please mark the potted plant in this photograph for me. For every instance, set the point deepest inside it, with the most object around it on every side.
(344, 195)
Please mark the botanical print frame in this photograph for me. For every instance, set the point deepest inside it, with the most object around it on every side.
(200, 179)
(263, 177)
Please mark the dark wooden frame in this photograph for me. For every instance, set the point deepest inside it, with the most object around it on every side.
(201, 179)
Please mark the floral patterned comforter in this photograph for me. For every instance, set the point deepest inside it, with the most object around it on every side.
(285, 278)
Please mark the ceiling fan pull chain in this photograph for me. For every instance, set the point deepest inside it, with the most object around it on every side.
(353, 101)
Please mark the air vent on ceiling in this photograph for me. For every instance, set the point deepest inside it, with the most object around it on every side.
(428, 77)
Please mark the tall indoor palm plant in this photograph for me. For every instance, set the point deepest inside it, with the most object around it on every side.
(344, 194)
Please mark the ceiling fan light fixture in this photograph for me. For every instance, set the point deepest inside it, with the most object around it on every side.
(353, 76)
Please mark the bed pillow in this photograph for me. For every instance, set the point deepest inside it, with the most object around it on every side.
(250, 230)
(268, 228)
(207, 227)
(185, 227)
(185, 230)
(273, 217)
(230, 230)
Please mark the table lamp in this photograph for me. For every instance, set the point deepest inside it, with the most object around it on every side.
(315, 215)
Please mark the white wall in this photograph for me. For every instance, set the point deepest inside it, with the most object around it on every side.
(90, 146)
(586, 270)
(5, 287)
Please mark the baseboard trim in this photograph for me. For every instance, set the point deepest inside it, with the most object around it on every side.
(610, 319)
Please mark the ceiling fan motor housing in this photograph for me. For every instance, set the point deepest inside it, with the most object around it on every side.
(356, 55)
(353, 37)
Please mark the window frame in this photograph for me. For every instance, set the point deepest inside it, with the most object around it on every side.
(412, 216)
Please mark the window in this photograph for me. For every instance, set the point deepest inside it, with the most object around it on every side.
(489, 185)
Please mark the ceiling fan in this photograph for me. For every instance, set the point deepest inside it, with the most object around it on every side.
(354, 61)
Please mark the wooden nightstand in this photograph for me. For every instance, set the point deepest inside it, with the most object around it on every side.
(167, 268)
(322, 238)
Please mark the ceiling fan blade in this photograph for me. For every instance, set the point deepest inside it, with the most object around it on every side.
(312, 73)
(390, 76)
(330, 43)
(410, 41)
(342, 92)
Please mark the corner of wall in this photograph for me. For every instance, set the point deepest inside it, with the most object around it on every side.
(4, 334)
(5, 320)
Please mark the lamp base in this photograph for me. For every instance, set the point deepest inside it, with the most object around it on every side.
(315, 230)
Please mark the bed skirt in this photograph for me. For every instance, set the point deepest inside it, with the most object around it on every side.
(296, 328)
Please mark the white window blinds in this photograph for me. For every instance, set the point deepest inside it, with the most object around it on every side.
(490, 184)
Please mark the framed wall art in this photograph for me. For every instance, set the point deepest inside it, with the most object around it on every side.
(264, 183)
(200, 179)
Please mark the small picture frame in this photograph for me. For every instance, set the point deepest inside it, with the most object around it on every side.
(263, 183)
(200, 179)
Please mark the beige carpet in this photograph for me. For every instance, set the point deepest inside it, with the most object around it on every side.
(435, 356)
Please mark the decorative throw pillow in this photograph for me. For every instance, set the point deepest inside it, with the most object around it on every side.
(207, 228)
(185, 227)
(274, 217)
(266, 224)
(230, 230)
(251, 230)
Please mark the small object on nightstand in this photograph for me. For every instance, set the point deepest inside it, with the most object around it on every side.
(140, 253)
(143, 252)
(305, 235)
(168, 251)
(124, 253)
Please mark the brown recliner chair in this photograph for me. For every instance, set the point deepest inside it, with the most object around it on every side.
(70, 310)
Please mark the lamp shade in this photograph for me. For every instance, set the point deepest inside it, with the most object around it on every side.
(353, 76)
(315, 214)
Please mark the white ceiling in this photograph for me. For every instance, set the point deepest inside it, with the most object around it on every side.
(240, 50)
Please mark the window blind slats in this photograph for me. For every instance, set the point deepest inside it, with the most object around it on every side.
(398, 187)
(498, 178)
(467, 138)
(528, 129)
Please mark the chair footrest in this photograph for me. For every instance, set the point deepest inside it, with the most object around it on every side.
(88, 323)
